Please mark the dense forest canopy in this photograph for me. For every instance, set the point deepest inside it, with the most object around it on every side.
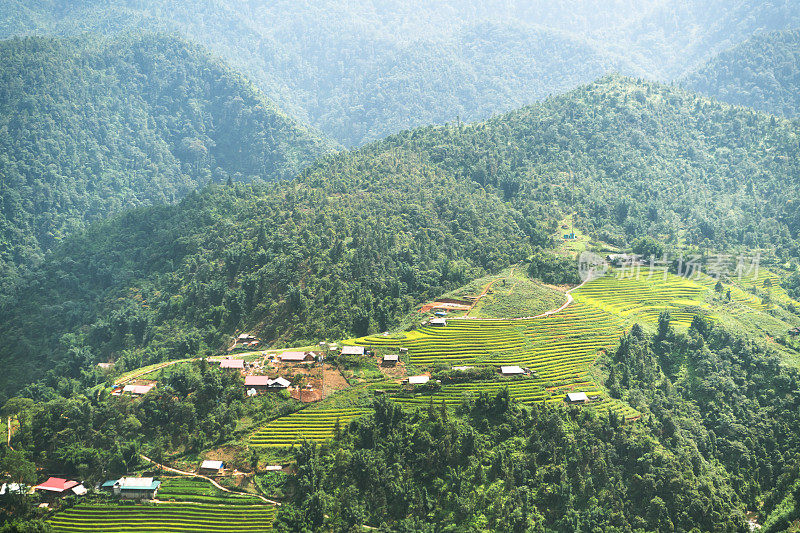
(361, 237)
(297, 262)
(359, 71)
(762, 72)
(90, 127)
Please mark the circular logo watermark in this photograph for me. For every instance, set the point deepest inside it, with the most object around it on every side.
(591, 265)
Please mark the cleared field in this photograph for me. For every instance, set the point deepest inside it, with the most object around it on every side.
(517, 296)
(164, 517)
(313, 425)
(185, 489)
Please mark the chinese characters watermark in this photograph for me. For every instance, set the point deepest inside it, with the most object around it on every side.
(592, 265)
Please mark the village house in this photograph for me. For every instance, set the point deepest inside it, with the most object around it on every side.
(577, 397)
(390, 360)
(237, 364)
(263, 383)
(438, 322)
(352, 350)
(105, 367)
(137, 390)
(413, 381)
(134, 488)
(296, 357)
(258, 383)
(56, 487)
(210, 467)
(511, 371)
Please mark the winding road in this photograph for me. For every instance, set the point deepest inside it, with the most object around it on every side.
(220, 487)
(570, 299)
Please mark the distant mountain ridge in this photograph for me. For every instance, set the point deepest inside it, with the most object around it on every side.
(91, 127)
(762, 72)
(361, 71)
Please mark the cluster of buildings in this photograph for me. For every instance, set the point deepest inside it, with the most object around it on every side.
(256, 384)
(245, 341)
(54, 488)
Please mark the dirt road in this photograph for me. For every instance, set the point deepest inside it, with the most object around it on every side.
(220, 487)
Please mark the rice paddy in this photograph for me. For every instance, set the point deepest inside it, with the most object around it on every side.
(164, 517)
(312, 425)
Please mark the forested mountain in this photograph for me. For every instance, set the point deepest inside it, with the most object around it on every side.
(762, 72)
(361, 237)
(90, 127)
(359, 71)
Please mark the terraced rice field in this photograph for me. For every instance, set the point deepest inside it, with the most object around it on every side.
(183, 489)
(643, 296)
(164, 517)
(313, 425)
(523, 390)
(557, 347)
(755, 281)
(740, 302)
(526, 391)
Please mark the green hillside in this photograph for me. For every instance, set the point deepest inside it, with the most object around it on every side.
(91, 127)
(362, 237)
(358, 72)
(762, 72)
(350, 247)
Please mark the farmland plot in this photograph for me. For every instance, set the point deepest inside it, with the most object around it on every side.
(164, 517)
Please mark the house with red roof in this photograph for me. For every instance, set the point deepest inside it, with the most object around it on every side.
(56, 487)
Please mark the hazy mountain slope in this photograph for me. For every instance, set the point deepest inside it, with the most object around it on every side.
(360, 71)
(638, 158)
(365, 235)
(91, 127)
(763, 73)
(349, 249)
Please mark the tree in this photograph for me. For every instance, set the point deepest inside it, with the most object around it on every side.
(19, 468)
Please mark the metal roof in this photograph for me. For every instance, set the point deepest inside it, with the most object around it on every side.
(256, 381)
(280, 382)
(511, 370)
(577, 397)
(137, 389)
(56, 484)
(352, 350)
(292, 356)
(138, 483)
(209, 464)
(418, 380)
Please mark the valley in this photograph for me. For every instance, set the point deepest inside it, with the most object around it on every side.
(400, 267)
